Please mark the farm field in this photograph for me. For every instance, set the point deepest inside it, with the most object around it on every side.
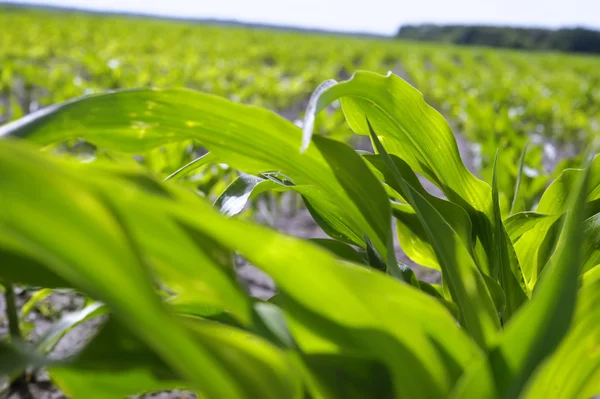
(124, 169)
(493, 98)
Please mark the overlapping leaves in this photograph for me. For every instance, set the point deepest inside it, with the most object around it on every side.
(138, 236)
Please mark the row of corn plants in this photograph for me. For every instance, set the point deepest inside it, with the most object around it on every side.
(516, 314)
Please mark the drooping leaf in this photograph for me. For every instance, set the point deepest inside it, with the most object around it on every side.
(431, 354)
(233, 200)
(413, 131)
(248, 139)
(104, 263)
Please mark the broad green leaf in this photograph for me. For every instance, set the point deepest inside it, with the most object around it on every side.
(195, 274)
(591, 276)
(537, 235)
(249, 139)
(356, 298)
(353, 297)
(535, 247)
(336, 295)
(361, 185)
(25, 269)
(115, 364)
(413, 131)
(95, 384)
(103, 264)
(272, 320)
(413, 237)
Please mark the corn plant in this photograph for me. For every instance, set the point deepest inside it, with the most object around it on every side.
(516, 314)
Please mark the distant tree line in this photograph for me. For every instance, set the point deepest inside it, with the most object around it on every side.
(577, 40)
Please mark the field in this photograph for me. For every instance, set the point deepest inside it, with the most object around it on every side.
(494, 99)
(476, 214)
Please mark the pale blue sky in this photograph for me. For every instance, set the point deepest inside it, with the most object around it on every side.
(376, 16)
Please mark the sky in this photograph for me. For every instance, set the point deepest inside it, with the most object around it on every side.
(372, 16)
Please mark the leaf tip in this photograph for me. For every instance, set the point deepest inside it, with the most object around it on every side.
(312, 109)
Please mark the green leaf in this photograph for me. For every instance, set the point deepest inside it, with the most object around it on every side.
(248, 139)
(431, 354)
(505, 268)
(17, 356)
(459, 271)
(411, 130)
(104, 264)
(353, 297)
(555, 198)
(191, 166)
(250, 360)
(25, 269)
(95, 384)
(535, 246)
(36, 298)
(66, 323)
(198, 274)
(540, 325)
(233, 200)
(515, 206)
(414, 132)
(340, 250)
(573, 369)
(591, 243)
(361, 185)
(411, 234)
(347, 376)
(518, 224)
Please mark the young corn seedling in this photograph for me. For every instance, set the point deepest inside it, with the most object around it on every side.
(516, 314)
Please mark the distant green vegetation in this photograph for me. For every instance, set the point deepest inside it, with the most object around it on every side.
(576, 40)
(494, 99)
